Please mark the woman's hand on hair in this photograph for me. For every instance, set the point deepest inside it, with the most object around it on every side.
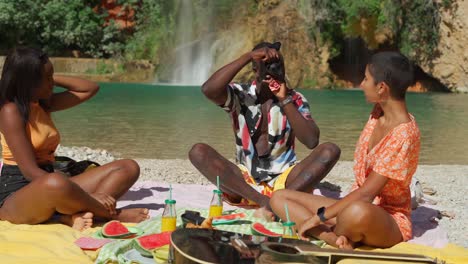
(78, 91)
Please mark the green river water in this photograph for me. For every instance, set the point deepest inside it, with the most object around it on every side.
(163, 122)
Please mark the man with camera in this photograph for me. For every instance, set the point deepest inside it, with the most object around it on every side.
(266, 117)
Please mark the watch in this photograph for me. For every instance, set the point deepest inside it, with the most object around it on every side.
(286, 101)
(321, 214)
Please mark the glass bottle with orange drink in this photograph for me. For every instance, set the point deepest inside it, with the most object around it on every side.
(169, 216)
(216, 204)
(289, 230)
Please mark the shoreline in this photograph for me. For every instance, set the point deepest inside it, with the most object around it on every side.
(143, 71)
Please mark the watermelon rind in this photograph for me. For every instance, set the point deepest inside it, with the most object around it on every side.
(148, 252)
(229, 217)
(122, 235)
(143, 251)
(256, 231)
(224, 222)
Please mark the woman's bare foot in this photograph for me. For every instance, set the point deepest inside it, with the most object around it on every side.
(343, 243)
(264, 213)
(80, 221)
(132, 215)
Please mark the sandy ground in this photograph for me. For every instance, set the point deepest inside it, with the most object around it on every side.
(449, 181)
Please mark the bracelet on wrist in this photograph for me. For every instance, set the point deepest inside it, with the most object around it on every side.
(286, 101)
(321, 214)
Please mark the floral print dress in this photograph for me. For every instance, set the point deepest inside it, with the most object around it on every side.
(395, 157)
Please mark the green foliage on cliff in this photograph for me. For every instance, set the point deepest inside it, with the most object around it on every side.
(58, 26)
(61, 26)
(153, 30)
(156, 23)
(419, 33)
(411, 26)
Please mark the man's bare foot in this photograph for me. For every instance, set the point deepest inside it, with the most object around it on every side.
(264, 213)
(343, 243)
(80, 221)
(132, 215)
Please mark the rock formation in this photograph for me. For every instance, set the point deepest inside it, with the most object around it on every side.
(450, 64)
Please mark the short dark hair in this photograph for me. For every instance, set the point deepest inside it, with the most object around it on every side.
(276, 45)
(21, 76)
(394, 69)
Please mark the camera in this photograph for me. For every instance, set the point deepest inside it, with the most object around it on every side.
(273, 68)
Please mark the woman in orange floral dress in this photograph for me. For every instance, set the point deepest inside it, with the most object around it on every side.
(377, 211)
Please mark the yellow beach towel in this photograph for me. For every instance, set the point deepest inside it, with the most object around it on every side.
(47, 243)
(54, 243)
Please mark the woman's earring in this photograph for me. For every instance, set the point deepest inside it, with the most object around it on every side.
(380, 93)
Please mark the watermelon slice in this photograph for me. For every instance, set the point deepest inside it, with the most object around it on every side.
(259, 229)
(145, 244)
(229, 217)
(115, 229)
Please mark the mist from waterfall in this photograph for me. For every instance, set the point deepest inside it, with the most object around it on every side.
(193, 56)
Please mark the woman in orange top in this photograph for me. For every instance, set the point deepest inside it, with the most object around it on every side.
(30, 191)
(377, 211)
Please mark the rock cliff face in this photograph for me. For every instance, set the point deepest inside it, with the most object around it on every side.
(305, 61)
(308, 59)
(276, 20)
(450, 66)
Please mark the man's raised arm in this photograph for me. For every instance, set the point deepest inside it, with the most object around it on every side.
(215, 87)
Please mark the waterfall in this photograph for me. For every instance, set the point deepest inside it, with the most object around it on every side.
(193, 56)
(352, 59)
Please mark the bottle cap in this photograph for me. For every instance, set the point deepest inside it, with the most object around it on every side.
(290, 223)
(168, 201)
(219, 192)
